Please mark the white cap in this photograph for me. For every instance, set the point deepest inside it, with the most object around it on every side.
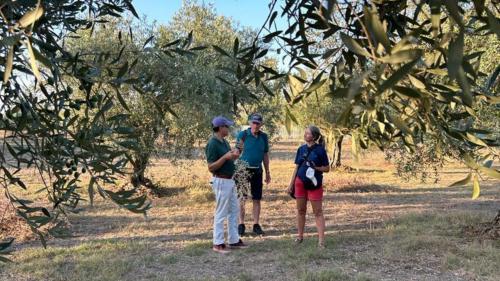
(310, 175)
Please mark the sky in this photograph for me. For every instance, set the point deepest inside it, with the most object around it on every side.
(246, 12)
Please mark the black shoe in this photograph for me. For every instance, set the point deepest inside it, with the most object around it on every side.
(220, 249)
(238, 245)
(257, 229)
(241, 229)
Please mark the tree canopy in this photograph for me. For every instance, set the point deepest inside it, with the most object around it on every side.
(401, 67)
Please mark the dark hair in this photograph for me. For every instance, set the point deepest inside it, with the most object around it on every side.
(215, 129)
(317, 136)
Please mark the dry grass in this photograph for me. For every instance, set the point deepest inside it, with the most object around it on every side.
(378, 228)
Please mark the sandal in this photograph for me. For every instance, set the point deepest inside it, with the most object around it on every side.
(298, 240)
(321, 245)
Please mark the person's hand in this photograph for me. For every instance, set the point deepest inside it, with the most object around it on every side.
(289, 189)
(236, 153)
(240, 145)
(268, 177)
(231, 155)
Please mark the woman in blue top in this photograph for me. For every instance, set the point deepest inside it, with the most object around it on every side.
(311, 162)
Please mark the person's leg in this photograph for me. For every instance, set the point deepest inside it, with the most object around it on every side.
(301, 216)
(256, 211)
(256, 187)
(242, 211)
(221, 210)
(317, 206)
(301, 200)
(233, 210)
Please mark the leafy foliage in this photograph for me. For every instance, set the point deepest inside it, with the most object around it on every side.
(46, 125)
(402, 68)
(207, 84)
(423, 164)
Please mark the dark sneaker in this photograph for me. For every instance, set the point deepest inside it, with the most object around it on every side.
(239, 245)
(257, 229)
(241, 229)
(220, 249)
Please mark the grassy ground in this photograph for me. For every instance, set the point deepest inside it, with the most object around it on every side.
(397, 231)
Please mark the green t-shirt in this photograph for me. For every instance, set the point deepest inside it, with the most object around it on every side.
(214, 150)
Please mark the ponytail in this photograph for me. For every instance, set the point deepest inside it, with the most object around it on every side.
(321, 140)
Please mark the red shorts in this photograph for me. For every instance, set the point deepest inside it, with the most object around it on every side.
(312, 195)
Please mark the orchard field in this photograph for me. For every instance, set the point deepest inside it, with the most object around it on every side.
(378, 228)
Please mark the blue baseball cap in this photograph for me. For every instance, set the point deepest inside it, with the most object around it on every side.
(220, 121)
(256, 117)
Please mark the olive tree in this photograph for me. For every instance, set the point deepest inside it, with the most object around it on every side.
(416, 81)
(49, 128)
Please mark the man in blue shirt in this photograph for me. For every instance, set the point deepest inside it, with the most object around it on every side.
(255, 145)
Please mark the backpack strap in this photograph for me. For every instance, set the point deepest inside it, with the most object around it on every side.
(309, 150)
(245, 133)
(241, 144)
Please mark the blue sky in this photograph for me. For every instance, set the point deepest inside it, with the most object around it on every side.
(246, 12)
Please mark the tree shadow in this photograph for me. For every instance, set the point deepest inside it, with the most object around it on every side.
(164, 191)
(351, 170)
(366, 188)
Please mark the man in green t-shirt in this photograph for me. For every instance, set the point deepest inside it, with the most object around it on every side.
(220, 160)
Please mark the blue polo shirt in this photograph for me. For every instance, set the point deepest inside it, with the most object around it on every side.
(254, 147)
(317, 155)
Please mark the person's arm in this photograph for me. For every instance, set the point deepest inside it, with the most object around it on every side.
(292, 181)
(266, 158)
(213, 159)
(214, 166)
(324, 169)
(266, 167)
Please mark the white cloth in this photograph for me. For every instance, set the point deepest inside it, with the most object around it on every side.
(310, 175)
(227, 206)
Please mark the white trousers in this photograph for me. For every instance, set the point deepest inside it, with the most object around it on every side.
(227, 206)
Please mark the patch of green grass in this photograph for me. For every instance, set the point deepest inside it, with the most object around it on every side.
(426, 233)
(103, 260)
(325, 275)
(433, 223)
(451, 262)
(305, 253)
(363, 260)
(244, 276)
(364, 277)
(482, 258)
(269, 246)
(168, 259)
(197, 248)
(442, 235)
(411, 244)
